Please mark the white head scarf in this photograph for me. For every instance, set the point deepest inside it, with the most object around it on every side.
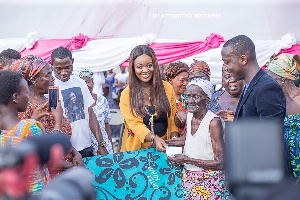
(205, 85)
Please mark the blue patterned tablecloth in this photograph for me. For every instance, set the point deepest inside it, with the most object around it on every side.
(142, 175)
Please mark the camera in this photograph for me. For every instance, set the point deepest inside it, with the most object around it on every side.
(75, 184)
(256, 161)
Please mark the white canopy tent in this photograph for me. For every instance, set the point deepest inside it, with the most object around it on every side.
(190, 20)
(147, 21)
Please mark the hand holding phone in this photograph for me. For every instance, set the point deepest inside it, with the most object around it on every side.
(53, 97)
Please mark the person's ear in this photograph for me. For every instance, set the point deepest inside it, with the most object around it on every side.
(15, 98)
(243, 60)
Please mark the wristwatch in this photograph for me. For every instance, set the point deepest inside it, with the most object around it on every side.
(102, 144)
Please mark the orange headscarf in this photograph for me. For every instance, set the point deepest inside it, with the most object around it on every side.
(29, 66)
(200, 66)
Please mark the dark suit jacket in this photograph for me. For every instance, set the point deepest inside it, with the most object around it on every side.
(264, 99)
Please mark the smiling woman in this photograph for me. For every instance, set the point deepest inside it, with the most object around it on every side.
(177, 74)
(203, 175)
(38, 74)
(147, 104)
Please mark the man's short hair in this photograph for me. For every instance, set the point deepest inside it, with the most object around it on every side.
(242, 45)
(11, 54)
(61, 53)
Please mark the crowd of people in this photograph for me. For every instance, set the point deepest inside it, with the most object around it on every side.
(181, 110)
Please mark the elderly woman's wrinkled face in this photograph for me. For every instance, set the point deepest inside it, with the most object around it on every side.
(234, 88)
(43, 80)
(180, 82)
(195, 98)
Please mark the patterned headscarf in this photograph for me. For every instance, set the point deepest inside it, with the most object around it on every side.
(29, 66)
(285, 65)
(205, 85)
(85, 73)
(200, 66)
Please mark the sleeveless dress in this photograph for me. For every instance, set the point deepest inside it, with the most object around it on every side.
(202, 183)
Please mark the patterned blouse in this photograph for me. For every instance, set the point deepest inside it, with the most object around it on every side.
(10, 138)
(102, 112)
(181, 106)
(49, 122)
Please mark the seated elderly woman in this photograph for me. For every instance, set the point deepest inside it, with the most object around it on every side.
(203, 157)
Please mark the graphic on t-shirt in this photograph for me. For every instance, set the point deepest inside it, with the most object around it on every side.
(73, 103)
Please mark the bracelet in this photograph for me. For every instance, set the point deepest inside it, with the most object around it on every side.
(152, 138)
(102, 144)
(57, 130)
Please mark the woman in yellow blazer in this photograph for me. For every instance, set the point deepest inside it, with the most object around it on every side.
(148, 104)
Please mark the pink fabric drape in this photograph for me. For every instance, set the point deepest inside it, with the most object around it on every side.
(44, 48)
(295, 49)
(169, 52)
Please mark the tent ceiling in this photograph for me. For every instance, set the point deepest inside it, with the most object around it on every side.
(259, 19)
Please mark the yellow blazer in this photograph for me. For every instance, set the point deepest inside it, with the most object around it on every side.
(136, 141)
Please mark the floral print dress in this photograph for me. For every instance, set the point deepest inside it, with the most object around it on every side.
(102, 112)
(292, 142)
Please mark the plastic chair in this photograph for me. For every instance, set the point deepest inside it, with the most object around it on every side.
(117, 119)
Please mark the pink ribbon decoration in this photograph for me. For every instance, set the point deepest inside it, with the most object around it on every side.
(44, 48)
(170, 52)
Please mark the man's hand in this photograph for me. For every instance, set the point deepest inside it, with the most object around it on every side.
(102, 151)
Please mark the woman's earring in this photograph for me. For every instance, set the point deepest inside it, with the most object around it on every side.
(15, 101)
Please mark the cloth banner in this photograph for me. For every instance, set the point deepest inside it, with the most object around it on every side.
(144, 174)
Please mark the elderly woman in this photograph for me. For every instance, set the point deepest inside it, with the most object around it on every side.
(224, 103)
(148, 104)
(14, 99)
(203, 157)
(199, 69)
(177, 75)
(38, 73)
(285, 69)
(101, 110)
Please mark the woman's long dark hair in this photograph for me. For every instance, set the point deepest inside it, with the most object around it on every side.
(159, 98)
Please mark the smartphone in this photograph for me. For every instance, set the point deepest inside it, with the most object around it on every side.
(53, 97)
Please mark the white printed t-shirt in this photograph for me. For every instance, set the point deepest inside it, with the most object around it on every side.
(75, 100)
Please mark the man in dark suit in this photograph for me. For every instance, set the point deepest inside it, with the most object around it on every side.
(262, 97)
